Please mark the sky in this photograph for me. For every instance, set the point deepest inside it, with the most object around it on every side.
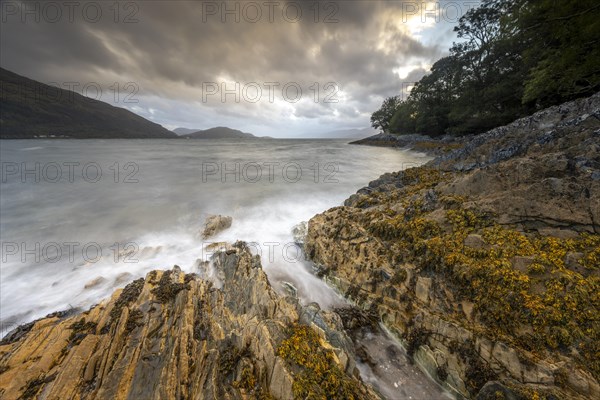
(273, 68)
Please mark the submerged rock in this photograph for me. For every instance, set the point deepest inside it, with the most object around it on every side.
(290, 289)
(122, 278)
(215, 224)
(172, 336)
(95, 282)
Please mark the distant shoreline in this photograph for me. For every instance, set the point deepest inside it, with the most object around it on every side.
(171, 138)
(421, 143)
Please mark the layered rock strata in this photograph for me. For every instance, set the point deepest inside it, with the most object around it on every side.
(485, 261)
(172, 335)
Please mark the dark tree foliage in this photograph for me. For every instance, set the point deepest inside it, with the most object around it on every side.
(382, 117)
(514, 57)
(562, 52)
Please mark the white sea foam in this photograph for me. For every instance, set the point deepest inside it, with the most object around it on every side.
(156, 223)
(158, 219)
(31, 148)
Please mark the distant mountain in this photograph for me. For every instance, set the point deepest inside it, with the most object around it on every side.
(351, 133)
(32, 109)
(219, 132)
(184, 131)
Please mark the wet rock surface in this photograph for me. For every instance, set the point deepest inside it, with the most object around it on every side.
(383, 362)
(172, 335)
(485, 262)
(299, 233)
(215, 224)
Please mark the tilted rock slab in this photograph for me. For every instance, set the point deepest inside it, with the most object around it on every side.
(170, 336)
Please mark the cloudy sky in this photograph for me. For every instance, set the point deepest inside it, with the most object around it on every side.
(277, 68)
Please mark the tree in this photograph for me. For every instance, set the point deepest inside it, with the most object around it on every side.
(433, 96)
(513, 57)
(381, 118)
(404, 119)
(563, 49)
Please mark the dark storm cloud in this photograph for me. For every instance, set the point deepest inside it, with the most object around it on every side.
(171, 49)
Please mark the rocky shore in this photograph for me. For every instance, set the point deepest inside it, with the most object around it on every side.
(175, 336)
(486, 261)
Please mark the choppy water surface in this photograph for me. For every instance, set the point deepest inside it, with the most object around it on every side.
(81, 218)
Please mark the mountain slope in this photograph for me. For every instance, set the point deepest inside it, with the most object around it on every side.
(184, 131)
(30, 108)
(220, 132)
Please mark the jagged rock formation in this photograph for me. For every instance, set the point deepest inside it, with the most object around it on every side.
(486, 261)
(176, 336)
